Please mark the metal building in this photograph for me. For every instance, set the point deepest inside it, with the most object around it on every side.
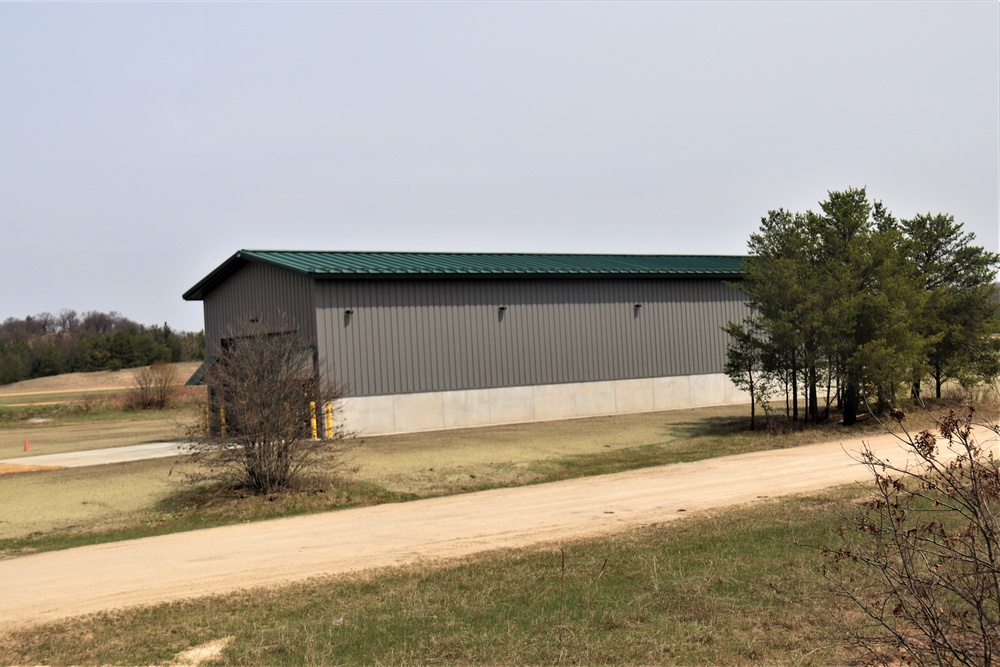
(426, 341)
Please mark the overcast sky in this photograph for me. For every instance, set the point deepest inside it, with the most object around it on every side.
(143, 144)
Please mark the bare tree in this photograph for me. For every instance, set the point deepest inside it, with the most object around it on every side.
(921, 558)
(68, 320)
(153, 387)
(272, 417)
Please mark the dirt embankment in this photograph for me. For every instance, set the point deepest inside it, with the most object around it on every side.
(97, 381)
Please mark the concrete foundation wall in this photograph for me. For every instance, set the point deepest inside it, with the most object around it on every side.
(406, 413)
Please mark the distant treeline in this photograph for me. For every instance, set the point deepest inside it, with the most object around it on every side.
(47, 344)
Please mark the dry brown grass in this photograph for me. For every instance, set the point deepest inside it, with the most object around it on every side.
(423, 464)
(98, 381)
(427, 462)
(48, 438)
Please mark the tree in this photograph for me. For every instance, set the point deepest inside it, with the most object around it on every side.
(961, 312)
(15, 362)
(745, 366)
(783, 301)
(854, 298)
(68, 321)
(98, 341)
(921, 559)
(264, 392)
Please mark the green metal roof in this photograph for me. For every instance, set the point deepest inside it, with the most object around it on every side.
(321, 264)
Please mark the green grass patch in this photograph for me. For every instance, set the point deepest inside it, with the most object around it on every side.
(15, 415)
(646, 456)
(740, 587)
(66, 413)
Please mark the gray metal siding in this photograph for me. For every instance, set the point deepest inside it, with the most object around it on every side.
(415, 336)
(279, 299)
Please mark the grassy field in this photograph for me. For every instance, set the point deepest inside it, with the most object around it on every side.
(63, 508)
(95, 431)
(741, 587)
(81, 411)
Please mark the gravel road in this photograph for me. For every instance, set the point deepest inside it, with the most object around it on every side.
(50, 586)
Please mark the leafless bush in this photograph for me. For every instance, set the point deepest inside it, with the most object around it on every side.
(90, 402)
(264, 397)
(96, 403)
(153, 387)
(921, 558)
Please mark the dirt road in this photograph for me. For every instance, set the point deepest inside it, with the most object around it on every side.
(55, 585)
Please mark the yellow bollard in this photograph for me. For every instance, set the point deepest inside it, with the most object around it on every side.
(312, 419)
(222, 422)
(329, 420)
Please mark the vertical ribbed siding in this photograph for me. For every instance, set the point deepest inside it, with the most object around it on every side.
(417, 336)
(273, 296)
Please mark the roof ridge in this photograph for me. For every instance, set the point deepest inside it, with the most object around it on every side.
(355, 264)
(485, 253)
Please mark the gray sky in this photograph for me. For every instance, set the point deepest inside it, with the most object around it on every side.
(143, 144)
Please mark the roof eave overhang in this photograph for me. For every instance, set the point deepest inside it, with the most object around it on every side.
(223, 272)
(215, 278)
(534, 275)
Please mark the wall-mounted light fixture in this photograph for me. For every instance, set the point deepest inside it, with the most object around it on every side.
(500, 311)
(503, 308)
(347, 315)
(635, 309)
(254, 320)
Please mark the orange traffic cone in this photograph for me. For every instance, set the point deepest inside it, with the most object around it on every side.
(26, 447)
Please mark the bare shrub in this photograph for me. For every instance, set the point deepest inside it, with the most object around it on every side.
(95, 403)
(90, 402)
(264, 393)
(153, 387)
(921, 558)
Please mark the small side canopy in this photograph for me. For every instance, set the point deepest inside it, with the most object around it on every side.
(199, 375)
(302, 359)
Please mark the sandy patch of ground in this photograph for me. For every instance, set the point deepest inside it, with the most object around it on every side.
(202, 653)
(10, 469)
